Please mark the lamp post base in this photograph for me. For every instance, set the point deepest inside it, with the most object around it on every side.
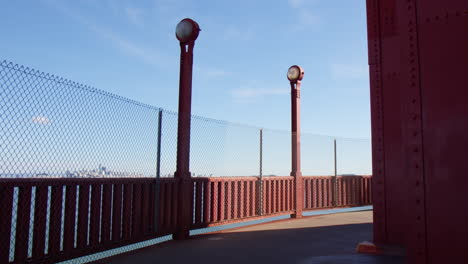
(181, 235)
(296, 215)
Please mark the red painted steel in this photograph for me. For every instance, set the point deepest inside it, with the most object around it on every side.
(229, 200)
(146, 211)
(268, 209)
(314, 194)
(283, 195)
(152, 208)
(22, 223)
(57, 199)
(136, 211)
(206, 201)
(40, 216)
(418, 60)
(286, 196)
(318, 191)
(55, 218)
(127, 211)
(296, 145)
(328, 193)
(235, 199)
(117, 212)
(170, 212)
(184, 186)
(248, 192)
(198, 202)
(95, 215)
(440, 200)
(6, 209)
(176, 204)
(214, 202)
(274, 195)
(162, 207)
(169, 202)
(378, 159)
(82, 233)
(135, 204)
(242, 197)
(253, 196)
(221, 201)
(106, 212)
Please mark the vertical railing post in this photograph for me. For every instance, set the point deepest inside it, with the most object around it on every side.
(334, 182)
(260, 178)
(158, 173)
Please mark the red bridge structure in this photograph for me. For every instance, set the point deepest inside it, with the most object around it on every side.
(418, 61)
(418, 58)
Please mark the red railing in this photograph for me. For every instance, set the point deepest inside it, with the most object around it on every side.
(350, 191)
(354, 190)
(318, 192)
(224, 199)
(86, 216)
(91, 207)
(278, 195)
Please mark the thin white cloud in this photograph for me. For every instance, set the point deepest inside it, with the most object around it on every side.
(245, 93)
(130, 48)
(296, 3)
(211, 72)
(349, 71)
(41, 120)
(135, 15)
(307, 18)
(235, 33)
(300, 3)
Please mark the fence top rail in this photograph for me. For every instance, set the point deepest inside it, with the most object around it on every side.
(339, 176)
(224, 179)
(69, 84)
(354, 176)
(278, 178)
(24, 182)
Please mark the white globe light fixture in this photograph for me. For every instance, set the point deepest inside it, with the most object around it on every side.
(187, 30)
(295, 73)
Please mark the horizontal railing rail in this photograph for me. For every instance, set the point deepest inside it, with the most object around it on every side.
(52, 219)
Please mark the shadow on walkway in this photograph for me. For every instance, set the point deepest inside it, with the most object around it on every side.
(309, 240)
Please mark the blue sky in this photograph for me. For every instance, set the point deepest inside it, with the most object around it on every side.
(241, 56)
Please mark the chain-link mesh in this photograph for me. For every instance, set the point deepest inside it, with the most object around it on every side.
(354, 156)
(78, 168)
(276, 153)
(69, 136)
(317, 155)
(52, 127)
(168, 143)
(220, 148)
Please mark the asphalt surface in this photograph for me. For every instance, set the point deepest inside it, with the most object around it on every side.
(311, 240)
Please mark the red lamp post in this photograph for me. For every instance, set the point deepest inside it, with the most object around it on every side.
(186, 32)
(295, 75)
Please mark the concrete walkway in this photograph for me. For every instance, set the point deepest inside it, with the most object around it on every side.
(317, 239)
